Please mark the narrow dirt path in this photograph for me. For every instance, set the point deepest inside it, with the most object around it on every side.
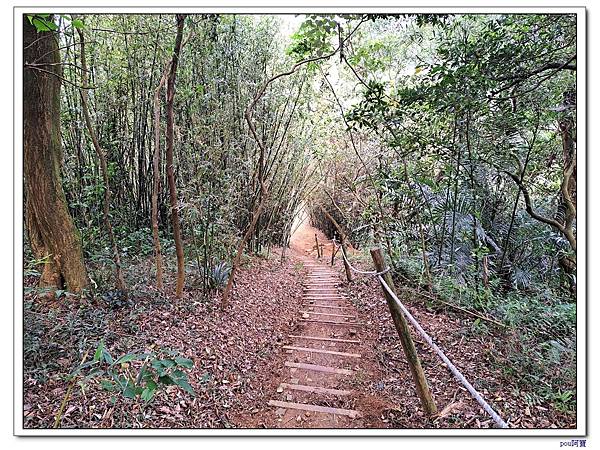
(320, 369)
(315, 391)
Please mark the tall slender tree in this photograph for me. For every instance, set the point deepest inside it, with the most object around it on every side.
(83, 91)
(170, 172)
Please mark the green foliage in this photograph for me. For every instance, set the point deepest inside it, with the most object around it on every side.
(218, 276)
(313, 37)
(436, 110)
(136, 375)
(42, 22)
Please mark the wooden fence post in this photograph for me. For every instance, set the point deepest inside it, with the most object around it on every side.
(317, 242)
(404, 333)
(346, 266)
(333, 252)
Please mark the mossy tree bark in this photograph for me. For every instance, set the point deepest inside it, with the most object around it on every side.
(50, 227)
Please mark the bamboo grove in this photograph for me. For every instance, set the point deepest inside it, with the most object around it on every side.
(223, 62)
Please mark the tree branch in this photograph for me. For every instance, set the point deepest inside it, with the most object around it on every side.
(529, 206)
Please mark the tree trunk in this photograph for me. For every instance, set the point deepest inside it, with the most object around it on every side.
(50, 227)
(156, 175)
(170, 172)
(120, 281)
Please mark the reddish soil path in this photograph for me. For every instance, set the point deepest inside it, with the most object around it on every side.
(321, 367)
(322, 356)
(302, 241)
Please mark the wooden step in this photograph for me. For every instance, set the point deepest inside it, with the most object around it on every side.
(317, 368)
(326, 286)
(330, 322)
(331, 276)
(328, 314)
(315, 305)
(328, 339)
(325, 299)
(314, 389)
(323, 280)
(316, 408)
(321, 293)
(318, 350)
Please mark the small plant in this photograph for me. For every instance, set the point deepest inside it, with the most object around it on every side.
(157, 369)
(218, 276)
(480, 328)
(564, 401)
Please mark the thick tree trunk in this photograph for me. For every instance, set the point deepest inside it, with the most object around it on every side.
(50, 227)
(569, 195)
(170, 172)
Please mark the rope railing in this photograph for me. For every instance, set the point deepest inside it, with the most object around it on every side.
(457, 374)
(354, 269)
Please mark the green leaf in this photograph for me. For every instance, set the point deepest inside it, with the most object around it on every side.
(166, 380)
(168, 363)
(109, 359)
(149, 391)
(78, 23)
(129, 391)
(41, 24)
(185, 362)
(157, 364)
(146, 375)
(181, 382)
(108, 385)
(178, 374)
(127, 358)
(99, 351)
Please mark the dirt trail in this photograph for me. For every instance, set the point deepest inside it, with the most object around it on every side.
(322, 361)
(302, 241)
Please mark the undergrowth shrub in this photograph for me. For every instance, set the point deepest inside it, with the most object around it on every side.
(539, 354)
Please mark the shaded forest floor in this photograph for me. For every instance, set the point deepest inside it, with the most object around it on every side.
(237, 356)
